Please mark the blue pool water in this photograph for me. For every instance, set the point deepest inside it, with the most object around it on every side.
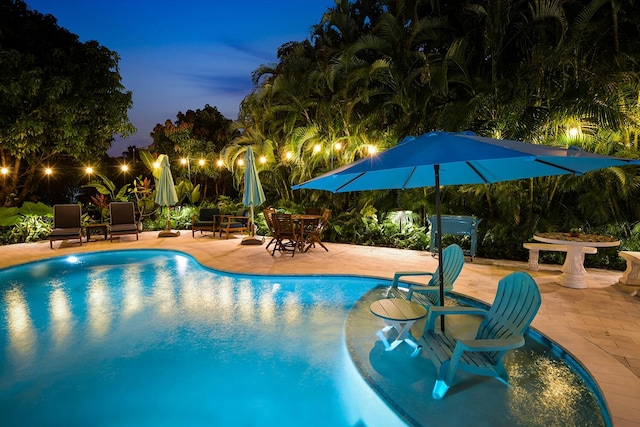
(150, 337)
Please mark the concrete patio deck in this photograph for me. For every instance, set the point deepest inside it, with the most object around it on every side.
(599, 326)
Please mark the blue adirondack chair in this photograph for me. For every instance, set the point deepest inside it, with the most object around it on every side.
(514, 307)
(429, 294)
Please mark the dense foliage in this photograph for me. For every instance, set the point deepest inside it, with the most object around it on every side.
(59, 98)
(374, 71)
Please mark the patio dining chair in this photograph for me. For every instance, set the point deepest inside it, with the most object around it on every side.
(515, 305)
(67, 223)
(286, 236)
(122, 219)
(311, 210)
(268, 218)
(314, 235)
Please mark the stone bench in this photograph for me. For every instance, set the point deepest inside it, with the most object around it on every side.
(535, 248)
(631, 276)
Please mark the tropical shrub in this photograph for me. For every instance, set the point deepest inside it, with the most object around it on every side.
(28, 223)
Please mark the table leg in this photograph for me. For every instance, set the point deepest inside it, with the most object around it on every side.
(404, 335)
(573, 272)
(631, 276)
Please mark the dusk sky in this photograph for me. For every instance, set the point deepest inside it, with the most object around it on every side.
(181, 55)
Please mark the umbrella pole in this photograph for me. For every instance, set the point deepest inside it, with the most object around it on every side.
(251, 239)
(251, 230)
(436, 170)
(167, 231)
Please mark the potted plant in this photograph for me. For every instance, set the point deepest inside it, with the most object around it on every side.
(575, 232)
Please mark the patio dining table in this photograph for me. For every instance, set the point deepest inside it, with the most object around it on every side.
(304, 221)
(573, 272)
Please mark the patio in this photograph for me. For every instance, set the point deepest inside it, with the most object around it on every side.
(600, 325)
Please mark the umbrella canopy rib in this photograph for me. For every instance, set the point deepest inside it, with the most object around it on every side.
(349, 182)
(404, 186)
(482, 177)
(573, 171)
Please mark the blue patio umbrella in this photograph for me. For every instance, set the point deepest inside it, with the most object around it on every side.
(444, 158)
(166, 194)
(253, 194)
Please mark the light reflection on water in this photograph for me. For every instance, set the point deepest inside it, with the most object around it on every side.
(153, 336)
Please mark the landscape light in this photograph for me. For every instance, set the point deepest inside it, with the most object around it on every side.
(89, 170)
(573, 132)
(4, 171)
(338, 146)
(240, 162)
(183, 161)
(263, 159)
(124, 168)
(372, 150)
(201, 162)
(316, 148)
(288, 155)
(220, 163)
(48, 171)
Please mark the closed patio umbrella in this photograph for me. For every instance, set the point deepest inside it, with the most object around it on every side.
(444, 158)
(253, 194)
(166, 194)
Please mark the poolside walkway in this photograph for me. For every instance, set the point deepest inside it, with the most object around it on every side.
(600, 326)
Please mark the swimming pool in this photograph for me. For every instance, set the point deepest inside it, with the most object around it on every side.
(152, 338)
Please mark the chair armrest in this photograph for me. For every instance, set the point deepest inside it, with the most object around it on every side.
(230, 217)
(492, 344)
(421, 289)
(436, 311)
(399, 274)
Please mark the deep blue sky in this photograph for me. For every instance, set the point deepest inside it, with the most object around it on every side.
(181, 55)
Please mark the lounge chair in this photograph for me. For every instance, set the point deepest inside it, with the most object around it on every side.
(234, 223)
(122, 219)
(514, 307)
(207, 219)
(67, 223)
(429, 294)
